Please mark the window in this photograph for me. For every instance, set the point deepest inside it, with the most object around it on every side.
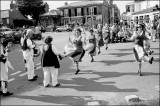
(66, 13)
(128, 9)
(133, 7)
(75, 11)
(78, 11)
(95, 10)
(87, 11)
(90, 10)
(69, 14)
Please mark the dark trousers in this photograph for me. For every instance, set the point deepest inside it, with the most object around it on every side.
(82, 54)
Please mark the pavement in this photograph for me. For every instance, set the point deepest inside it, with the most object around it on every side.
(106, 81)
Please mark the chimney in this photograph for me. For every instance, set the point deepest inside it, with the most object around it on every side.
(65, 3)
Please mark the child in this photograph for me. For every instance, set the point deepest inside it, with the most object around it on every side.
(4, 67)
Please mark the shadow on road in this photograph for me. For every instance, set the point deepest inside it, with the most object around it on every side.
(65, 100)
(120, 54)
(84, 84)
(115, 62)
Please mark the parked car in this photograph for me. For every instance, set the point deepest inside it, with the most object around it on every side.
(63, 28)
(6, 33)
(35, 36)
(17, 34)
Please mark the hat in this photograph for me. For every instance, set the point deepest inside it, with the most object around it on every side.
(29, 32)
(78, 29)
(48, 39)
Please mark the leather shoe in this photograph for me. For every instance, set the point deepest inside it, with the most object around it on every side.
(32, 79)
(151, 60)
(58, 84)
(77, 71)
(7, 94)
(35, 77)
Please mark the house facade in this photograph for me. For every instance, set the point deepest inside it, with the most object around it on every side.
(141, 11)
(90, 12)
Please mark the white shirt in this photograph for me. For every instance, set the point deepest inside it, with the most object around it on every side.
(54, 49)
(30, 50)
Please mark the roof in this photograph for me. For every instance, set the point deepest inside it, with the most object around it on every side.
(80, 4)
(12, 13)
(15, 14)
(51, 13)
(148, 10)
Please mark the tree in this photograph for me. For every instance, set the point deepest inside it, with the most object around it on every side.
(32, 7)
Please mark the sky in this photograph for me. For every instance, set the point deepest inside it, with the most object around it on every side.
(54, 4)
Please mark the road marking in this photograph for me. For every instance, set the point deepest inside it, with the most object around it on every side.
(38, 67)
(16, 73)
(11, 79)
(23, 74)
(38, 64)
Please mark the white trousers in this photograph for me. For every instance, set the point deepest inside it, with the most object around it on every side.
(30, 66)
(4, 76)
(50, 72)
(140, 54)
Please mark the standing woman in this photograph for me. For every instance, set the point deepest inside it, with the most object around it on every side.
(4, 67)
(77, 53)
(91, 44)
(50, 63)
(139, 37)
(28, 47)
(100, 37)
(106, 35)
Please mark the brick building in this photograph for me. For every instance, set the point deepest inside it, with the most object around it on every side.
(91, 12)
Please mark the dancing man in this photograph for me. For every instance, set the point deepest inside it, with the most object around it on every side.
(106, 35)
(91, 44)
(100, 37)
(140, 54)
(50, 63)
(76, 45)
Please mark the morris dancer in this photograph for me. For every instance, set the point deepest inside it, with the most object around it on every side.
(91, 44)
(21, 42)
(50, 63)
(28, 47)
(140, 54)
(100, 38)
(4, 67)
(75, 49)
(106, 35)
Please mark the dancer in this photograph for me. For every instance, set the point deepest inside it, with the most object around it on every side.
(100, 37)
(91, 44)
(140, 54)
(5, 48)
(50, 63)
(106, 35)
(28, 47)
(23, 37)
(75, 48)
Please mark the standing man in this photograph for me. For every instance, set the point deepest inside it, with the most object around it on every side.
(28, 47)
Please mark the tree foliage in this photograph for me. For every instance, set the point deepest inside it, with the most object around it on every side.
(32, 7)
